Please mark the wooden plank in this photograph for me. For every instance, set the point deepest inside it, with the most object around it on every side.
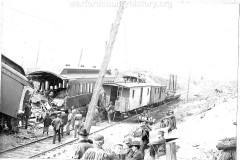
(108, 52)
(171, 151)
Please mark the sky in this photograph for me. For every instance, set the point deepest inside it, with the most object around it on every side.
(163, 39)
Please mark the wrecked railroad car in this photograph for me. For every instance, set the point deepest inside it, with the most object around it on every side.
(15, 92)
(69, 87)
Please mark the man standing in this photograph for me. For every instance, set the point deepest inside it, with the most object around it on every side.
(158, 148)
(69, 121)
(78, 123)
(74, 112)
(110, 110)
(97, 116)
(46, 123)
(56, 123)
(27, 112)
(64, 119)
(82, 145)
(144, 137)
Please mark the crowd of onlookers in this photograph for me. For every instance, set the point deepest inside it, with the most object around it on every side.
(130, 149)
(86, 149)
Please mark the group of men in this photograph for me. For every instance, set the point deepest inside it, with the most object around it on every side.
(73, 118)
(130, 149)
(110, 109)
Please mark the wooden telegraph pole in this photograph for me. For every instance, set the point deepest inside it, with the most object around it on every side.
(80, 59)
(188, 83)
(108, 52)
(238, 84)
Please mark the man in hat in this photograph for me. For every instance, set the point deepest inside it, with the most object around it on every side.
(110, 110)
(64, 119)
(69, 122)
(144, 137)
(158, 148)
(78, 123)
(83, 144)
(56, 123)
(97, 152)
(137, 154)
(127, 151)
(74, 112)
(46, 123)
(27, 112)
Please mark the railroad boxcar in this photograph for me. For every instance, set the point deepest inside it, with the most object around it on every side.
(15, 91)
(72, 87)
(130, 96)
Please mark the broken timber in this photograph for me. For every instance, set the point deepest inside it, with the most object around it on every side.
(108, 52)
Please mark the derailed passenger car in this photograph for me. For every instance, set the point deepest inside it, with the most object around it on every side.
(70, 87)
(15, 91)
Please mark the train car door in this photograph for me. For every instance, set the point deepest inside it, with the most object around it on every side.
(113, 95)
(140, 99)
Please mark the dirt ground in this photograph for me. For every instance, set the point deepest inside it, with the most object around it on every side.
(202, 122)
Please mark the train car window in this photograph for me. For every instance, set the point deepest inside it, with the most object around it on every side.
(93, 87)
(88, 87)
(133, 93)
(77, 89)
(155, 90)
(83, 88)
(160, 93)
(80, 88)
(72, 90)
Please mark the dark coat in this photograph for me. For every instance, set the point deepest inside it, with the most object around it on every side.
(64, 118)
(27, 110)
(81, 148)
(56, 123)
(47, 120)
(137, 155)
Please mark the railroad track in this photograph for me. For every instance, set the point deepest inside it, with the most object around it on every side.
(43, 146)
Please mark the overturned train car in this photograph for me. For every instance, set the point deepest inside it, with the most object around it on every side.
(15, 91)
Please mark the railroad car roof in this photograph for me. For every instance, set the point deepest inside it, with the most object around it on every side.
(67, 74)
(12, 64)
(131, 85)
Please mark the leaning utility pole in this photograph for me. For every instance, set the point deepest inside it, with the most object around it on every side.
(238, 87)
(108, 52)
(37, 55)
(80, 59)
(188, 83)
